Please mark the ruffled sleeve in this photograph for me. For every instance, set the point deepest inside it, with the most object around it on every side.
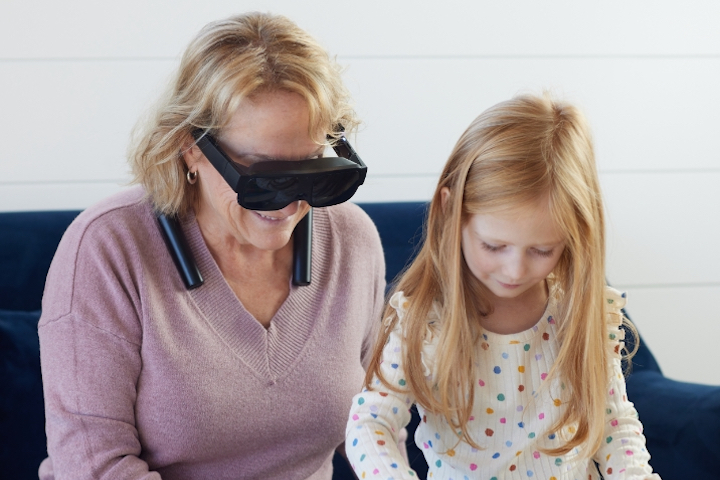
(401, 303)
(622, 454)
(615, 302)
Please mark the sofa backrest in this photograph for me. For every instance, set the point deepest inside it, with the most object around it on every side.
(28, 241)
(400, 226)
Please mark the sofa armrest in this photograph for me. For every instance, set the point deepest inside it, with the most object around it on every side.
(681, 422)
(22, 412)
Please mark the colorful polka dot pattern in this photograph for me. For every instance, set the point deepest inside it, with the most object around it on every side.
(513, 412)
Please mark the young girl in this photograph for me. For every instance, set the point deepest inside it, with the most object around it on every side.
(502, 331)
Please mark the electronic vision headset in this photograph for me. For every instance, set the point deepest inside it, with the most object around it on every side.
(272, 185)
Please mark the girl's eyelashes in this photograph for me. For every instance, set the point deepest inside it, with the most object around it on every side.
(497, 248)
(491, 248)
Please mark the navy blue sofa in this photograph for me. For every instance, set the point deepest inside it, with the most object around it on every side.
(682, 420)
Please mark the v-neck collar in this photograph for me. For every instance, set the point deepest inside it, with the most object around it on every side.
(270, 353)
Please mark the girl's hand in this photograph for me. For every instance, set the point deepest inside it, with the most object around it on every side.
(402, 438)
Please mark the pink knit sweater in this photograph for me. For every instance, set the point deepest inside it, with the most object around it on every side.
(145, 380)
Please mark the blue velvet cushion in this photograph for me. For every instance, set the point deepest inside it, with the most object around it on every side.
(22, 413)
(27, 245)
(400, 227)
(681, 422)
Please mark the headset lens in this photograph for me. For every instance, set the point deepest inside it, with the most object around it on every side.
(270, 193)
(334, 187)
(274, 193)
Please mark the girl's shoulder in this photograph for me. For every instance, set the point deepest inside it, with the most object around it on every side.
(431, 326)
(431, 323)
(401, 304)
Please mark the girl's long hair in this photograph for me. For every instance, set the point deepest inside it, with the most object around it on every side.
(520, 152)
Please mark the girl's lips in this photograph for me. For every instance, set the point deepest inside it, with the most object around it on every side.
(507, 285)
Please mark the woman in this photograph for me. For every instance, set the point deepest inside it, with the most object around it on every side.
(247, 375)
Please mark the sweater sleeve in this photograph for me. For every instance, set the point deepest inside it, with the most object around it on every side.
(622, 454)
(377, 416)
(378, 303)
(90, 338)
(357, 243)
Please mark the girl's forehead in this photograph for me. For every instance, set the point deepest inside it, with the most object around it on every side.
(532, 224)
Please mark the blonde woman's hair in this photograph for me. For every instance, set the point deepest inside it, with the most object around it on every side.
(228, 61)
(520, 152)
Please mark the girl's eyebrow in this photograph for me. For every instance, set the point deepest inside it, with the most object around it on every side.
(504, 242)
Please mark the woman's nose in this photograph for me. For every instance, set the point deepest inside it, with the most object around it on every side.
(290, 208)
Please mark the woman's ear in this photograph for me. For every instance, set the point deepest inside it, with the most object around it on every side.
(190, 152)
(444, 197)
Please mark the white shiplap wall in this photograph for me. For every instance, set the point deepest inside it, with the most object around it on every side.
(75, 75)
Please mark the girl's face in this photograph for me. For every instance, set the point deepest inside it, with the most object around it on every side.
(513, 251)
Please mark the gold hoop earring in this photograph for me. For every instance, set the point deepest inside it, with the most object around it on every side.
(191, 177)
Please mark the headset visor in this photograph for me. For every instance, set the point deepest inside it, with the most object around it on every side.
(273, 184)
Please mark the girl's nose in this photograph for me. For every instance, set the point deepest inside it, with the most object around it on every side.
(515, 268)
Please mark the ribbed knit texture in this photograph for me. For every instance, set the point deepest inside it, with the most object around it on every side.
(511, 418)
(146, 380)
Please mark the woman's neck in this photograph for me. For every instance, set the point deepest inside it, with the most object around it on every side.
(259, 278)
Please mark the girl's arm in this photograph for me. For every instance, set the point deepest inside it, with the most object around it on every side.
(377, 418)
(623, 453)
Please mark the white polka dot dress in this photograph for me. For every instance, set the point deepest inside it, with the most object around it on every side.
(511, 418)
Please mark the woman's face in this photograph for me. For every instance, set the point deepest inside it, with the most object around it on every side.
(272, 125)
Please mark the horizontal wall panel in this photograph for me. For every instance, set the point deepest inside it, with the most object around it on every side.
(389, 188)
(134, 28)
(55, 196)
(650, 115)
(663, 228)
(646, 114)
(681, 326)
(71, 121)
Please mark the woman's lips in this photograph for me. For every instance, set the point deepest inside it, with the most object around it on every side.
(508, 285)
(269, 218)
